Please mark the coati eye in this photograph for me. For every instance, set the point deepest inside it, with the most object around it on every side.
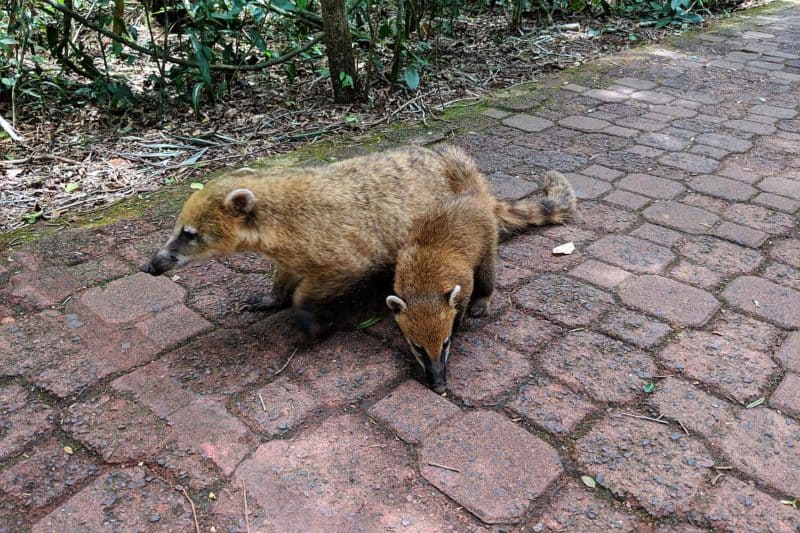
(189, 232)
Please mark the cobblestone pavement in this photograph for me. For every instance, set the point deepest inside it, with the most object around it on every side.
(127, 398)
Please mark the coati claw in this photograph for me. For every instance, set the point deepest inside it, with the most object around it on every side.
(256, 304)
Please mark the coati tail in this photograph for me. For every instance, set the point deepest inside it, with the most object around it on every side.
(461, 172)
(555, 208)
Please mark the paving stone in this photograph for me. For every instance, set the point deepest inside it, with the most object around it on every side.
(627, 200)
(763, 443)
(773, 111)
(172, 326)
(601, 172)
(638, 123)
(710, 151)
(587, 187)
(645, 151)
(674, 111)
(534, 253)
(680, 216)
(750, 127)
(719, 255)
(722, 363)
(779, 203)
(287, 405)
(694, 163)
(604, 368)
(127, 499)
(24, 419)
(780, 185)
(631, 253)
(619, 131)
(740, 234)
(663, 141)
(605, 95)
(496, 113)
(652, 97)
(761, 119)
(119, 430)
(554, 160)
(563, 300)
(153, 386)
(481, 368)
(733, 505)
(708, 203)
(43, 287)
(771, 302)
(723, 141)
(650, 465)
(783, 275)
(583, 123)
(341, 475)
(746, 331)
(702, 277)
(761, 219)
(552, 406)
(527, 122)
(413, 410)
(786, 397)
(508, 187)
(634, 328)
(789, 353)
(668, 300)
(605, 218)
(502, 466)
(601, 274)
(577, 508)
(636, 83)
(722, 187)
(650, 186)
(46, 476)
(700, 412)
(136, 296)
(657, 234)
(514, 329)
(659, 117)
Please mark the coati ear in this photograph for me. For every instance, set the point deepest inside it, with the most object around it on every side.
(242, 200)
(452, 295)
(395, 304)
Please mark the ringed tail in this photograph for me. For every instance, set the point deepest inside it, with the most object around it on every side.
(555, 208)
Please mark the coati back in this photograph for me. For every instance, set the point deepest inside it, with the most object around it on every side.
(325, 228)
(447, 266)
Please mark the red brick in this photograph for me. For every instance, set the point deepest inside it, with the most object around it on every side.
(153, 386)
(508, 275)
(720, 362)
(650, 465)
(709, 203)
(722, 187)
(663, 141)
(725, 142)
(763, 444)
(700, 412)
(604, 368)
(502, 467)
(761, 219)
(527, 122)
(720, 256)
(172, 326)
(748, 126)
(669, 300)
(636, 83)
(674, 110)
(601, 274)
(680, 216)
(206, 426)
(787, 250)
(98, 270)
(43, 287)
(287, 405)
(780, 185)
(783, 275)
(773, 111)
(46, 476)
(578, 508)
(772, 302)
(587, 187)
(634, 328)
(652, 97)
(552, 406)
(640, 123)
(342, 475)
(413, 410)
(627, 200)
(740, 234)
(604, 173)
(779, 203)
(562, 299)
(657, 234)
(786, 397)
(514, 329)
(650, 186)
(644, 151)
(619, 131)
(511, 187)
(119, 430)
(789, 353)
(732, 505)
(693, 163)
(692, 274)
(534, 253)
(189, 467)
(137, 296)
(24, 419)
(130, 498)
(604, 218)
(606, 95)
(631, 253)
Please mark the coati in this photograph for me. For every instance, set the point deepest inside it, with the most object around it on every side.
(325, 227)
(447, 265)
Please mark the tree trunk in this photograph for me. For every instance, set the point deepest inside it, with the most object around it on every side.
(339, 48)
(516, 15)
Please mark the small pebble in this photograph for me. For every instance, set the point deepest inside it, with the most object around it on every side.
(154, 517)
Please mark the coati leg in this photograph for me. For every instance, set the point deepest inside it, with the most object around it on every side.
(480, 303)
(284, 284)
(308, 297)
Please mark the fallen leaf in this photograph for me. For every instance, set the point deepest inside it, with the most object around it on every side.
(589, 481)
(196, 185)
(755, 403)
(369, 322)
(649, 387)
(564, 249)
(793, 503)
(72, 186)
(212, 496)
(68, 450)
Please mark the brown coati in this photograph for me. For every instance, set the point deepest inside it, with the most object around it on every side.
(325, 228)
(447, 266)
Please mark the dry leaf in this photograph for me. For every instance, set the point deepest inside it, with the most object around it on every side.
(564, 249)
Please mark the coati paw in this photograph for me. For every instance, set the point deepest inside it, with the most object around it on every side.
(480, 308)
(258, 303)
(307, 323)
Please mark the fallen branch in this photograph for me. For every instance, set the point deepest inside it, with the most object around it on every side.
(8, 128)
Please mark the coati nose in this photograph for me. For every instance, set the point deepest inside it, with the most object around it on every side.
(439, 388)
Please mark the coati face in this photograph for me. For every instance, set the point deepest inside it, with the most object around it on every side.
(428, 326)
(211, 224)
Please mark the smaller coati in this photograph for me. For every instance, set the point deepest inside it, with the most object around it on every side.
(447, 266)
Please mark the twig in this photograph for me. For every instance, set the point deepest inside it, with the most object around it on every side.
(450, 468)
(246, 512)
(723, 468)
(683, 427)
(644, 418)
(264, 407)
(283, 367)
(714, 481)
(194, 511)
(10, 130)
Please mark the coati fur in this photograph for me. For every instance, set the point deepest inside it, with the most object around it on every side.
(447, 265)
(325, 228)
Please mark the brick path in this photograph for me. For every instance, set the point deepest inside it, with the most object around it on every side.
(120, 391)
